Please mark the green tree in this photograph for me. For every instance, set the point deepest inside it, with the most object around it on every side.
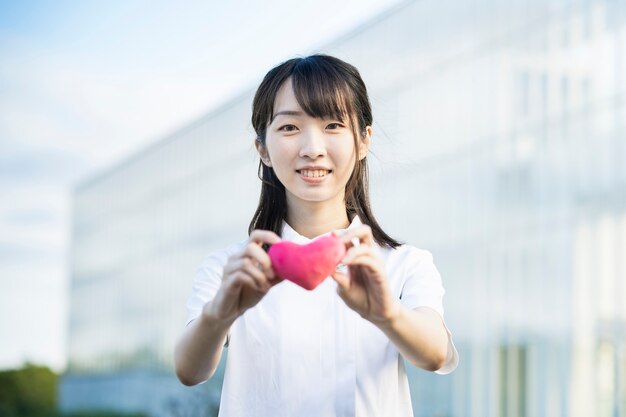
(28, 392)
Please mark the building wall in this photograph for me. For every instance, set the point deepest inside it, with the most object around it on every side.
(499, 146)
(140, 231)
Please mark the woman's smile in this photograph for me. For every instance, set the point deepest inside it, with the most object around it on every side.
(314, 175)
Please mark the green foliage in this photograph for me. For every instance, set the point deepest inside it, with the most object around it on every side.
(28, 392)
(32, 392)
(96, 414)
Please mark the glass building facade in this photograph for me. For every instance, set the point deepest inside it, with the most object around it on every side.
(499, 146)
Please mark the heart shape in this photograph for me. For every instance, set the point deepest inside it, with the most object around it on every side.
(307, 265)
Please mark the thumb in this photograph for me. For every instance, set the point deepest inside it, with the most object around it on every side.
(342, 280)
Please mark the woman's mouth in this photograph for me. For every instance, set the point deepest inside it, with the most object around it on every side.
(314, 173)
(313, 176)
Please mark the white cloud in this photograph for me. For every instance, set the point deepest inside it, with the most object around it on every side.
(48, 204)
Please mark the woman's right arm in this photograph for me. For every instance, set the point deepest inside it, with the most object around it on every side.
(247, 277)
(199, 349)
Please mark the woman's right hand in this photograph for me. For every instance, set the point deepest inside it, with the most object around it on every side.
(247, 277)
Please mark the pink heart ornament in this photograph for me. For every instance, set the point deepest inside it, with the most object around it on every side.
(307, 265)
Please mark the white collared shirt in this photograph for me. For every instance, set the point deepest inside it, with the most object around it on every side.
(305, 353)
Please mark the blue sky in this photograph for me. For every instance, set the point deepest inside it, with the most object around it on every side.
(85, 84)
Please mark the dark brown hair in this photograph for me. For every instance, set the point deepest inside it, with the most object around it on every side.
(325, 87)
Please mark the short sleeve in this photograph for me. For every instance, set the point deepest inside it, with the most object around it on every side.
(207, 280)
(423, 288)
(422, 285)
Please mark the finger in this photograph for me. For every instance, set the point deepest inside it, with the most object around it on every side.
(234, 263)
(245, 278)
(236, 281)
(231, 265)
(234, 268)
(357, 251)
(254, 251)
(366, 261)
(260, 258)
(363, 233)
(264, 236)
(250, 267)
(349, 241)
(341, 279)
(231, 268)
(365, 269)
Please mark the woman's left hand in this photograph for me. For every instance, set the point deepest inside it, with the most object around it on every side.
(365, 289)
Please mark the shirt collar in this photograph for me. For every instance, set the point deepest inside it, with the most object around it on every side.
(288, 233)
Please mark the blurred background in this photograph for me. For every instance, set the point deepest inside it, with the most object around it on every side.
(126, 156)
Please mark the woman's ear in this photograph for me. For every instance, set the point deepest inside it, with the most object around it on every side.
(365, 142)
(262, 153)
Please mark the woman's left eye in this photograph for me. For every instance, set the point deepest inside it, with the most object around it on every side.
(337, 126)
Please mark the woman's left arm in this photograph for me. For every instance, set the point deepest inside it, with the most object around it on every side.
(420, 334)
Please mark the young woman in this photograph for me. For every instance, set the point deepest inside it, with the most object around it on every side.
(336, 350)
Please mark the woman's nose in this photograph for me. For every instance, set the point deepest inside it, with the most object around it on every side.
(312, 144)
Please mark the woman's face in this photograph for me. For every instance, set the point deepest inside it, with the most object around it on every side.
(312, 158)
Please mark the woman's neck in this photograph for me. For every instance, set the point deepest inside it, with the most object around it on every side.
(312, 220)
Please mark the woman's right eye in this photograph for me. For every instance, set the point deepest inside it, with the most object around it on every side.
(287, 128)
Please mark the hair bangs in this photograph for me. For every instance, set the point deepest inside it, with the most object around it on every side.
(322, 92)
